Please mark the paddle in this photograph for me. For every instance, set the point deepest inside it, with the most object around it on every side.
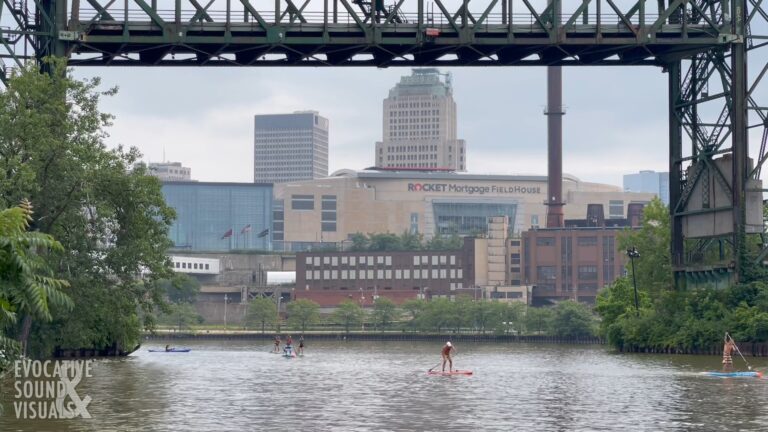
(738, 350)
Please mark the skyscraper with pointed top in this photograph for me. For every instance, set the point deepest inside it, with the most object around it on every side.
(419, 125)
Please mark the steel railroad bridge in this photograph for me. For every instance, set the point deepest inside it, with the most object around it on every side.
(714, 52)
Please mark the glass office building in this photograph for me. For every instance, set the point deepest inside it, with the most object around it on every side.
(649, 181)
(220, 216)
(470, 218)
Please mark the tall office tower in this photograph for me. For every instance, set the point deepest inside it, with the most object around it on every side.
(290, 147)
(649, 181)
(419, 125)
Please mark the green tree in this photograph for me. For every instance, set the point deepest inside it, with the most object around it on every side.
(573, 319)
(411, 241)
(414, 309)
(26, 285)
(440, 314)
(483, 315)
(303, 313)
(653, 269)
(348, 314)
(440, 242)
(263, 311)
(181, 288)
(512, 317)
(181, 315)
(384, 242)
(360, 242)
(617, 300)
(384, 312)
(461, 313)
(538, 320)
(111, 221)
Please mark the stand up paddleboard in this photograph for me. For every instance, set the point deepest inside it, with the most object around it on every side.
(734, 374)
(172, 350)
(456, 372)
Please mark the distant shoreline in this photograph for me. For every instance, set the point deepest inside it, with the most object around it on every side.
(367, 336)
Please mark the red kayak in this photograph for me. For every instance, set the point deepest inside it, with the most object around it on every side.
(456, 372)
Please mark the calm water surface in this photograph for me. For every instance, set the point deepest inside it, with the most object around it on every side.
(382, 386)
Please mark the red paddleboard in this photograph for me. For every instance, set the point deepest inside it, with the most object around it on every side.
(456, 372)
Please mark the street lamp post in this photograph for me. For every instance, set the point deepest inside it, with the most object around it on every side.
(225, 311)
(362, 306)
(633, 253)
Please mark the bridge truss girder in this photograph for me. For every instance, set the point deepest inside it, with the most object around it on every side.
(334, 33)
(704, 45)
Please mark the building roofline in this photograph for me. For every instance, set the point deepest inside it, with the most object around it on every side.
(201, 183)
(432, 175)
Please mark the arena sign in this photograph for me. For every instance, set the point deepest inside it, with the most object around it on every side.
(472, 189)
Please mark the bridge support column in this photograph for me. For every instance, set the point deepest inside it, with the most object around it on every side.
(675, 169)
(739, 136)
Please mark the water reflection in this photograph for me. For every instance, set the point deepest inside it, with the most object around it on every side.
(383, 386)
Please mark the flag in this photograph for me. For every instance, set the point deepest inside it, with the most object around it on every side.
(263, 233)
(227, 234)
(246, 229)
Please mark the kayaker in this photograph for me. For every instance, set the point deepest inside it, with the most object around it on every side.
(446, 352)
(301, 345)
(277, 343)
(727, 353)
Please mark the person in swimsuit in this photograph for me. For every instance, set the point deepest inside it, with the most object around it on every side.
(728, 349)
(277, 344)
(301, 345)
(446, 352)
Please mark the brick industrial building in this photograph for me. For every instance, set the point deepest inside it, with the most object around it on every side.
(576, 261)
(331, 277)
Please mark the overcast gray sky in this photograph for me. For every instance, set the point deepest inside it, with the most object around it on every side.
(616, 121)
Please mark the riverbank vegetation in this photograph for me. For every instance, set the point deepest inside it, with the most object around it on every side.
(403, 242)
(689, 319)
(463, 316)
(110, 220)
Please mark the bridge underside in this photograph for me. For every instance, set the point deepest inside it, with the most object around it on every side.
(313, 45)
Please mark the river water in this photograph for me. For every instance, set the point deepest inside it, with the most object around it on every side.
(383, 386)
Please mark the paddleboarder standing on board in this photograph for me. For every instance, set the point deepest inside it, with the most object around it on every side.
(446, 352)
(277, 344)
(301, 345)
(727, 352)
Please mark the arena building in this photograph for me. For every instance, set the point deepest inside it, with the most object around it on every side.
(310, 213)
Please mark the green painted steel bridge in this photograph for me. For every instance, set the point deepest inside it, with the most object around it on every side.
(357, 33)
(715, 53)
